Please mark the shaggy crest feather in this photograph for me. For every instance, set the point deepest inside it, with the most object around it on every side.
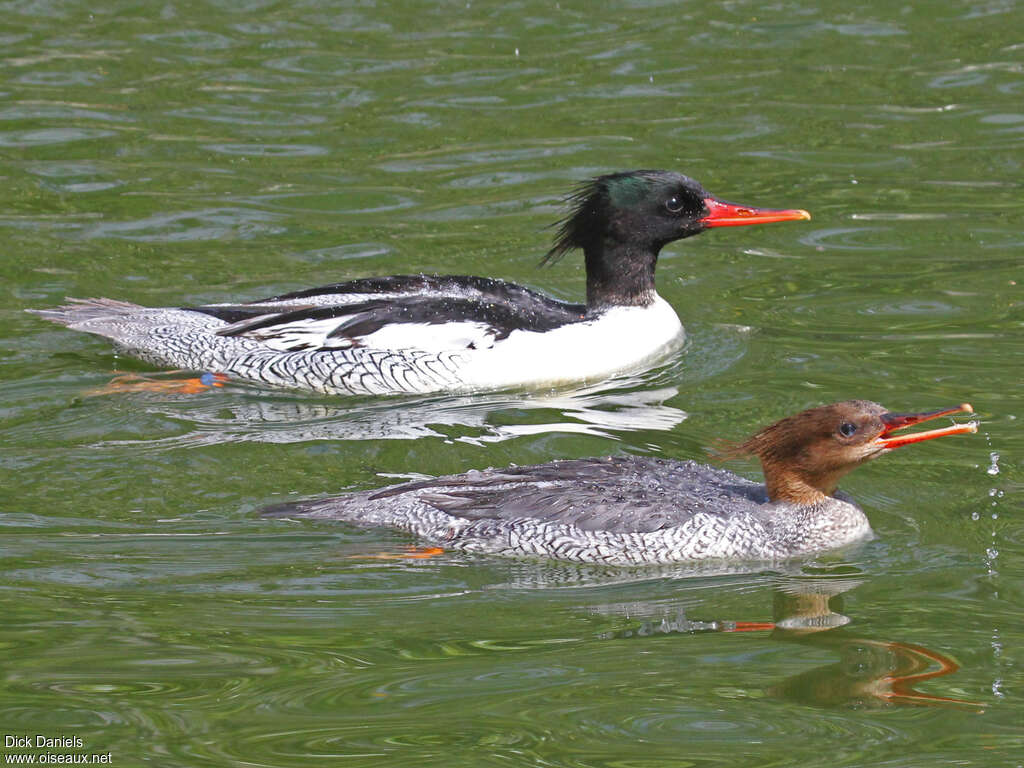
(587, 203)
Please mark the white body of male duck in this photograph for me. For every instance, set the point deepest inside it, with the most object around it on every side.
(635, 510)
(419, 333)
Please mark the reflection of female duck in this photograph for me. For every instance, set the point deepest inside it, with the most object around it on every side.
(872, 673)
(630, 510)
(418, 333)
(869, 673)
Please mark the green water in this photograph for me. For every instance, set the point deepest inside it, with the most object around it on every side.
(184, 152)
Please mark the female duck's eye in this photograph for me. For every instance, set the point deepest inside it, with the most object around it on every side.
(846, 429)
(674, 204)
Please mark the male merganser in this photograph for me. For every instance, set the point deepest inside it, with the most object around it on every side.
(419, 333)
(632, 510)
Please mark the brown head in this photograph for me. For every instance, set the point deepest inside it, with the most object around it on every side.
(803, 456)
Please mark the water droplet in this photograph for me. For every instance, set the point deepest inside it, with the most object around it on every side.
(993, 468)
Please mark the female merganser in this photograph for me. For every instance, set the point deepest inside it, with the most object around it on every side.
(419, 333)
(632, 510)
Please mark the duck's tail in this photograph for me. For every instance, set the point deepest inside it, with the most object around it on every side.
(87, 314)
(158, 335)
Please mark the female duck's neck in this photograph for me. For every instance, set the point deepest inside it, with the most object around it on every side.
(620, 275)
(792, 488)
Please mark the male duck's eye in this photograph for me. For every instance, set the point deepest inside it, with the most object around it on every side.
(846, 429)
(674, 204)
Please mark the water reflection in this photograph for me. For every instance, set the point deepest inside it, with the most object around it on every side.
(597, 411)
(869, 673)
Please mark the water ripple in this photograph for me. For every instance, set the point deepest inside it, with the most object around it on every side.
(59, 79)
(433, 161)
(857, 161)
(61, 111)
(49, 136)
(338, 65)
(345, 252)
(224, 113)
(186, 226)
(847, 239)
(349, 200)
(192, 38)
(268, 150)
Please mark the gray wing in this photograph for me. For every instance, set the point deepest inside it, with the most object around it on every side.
(616, 494)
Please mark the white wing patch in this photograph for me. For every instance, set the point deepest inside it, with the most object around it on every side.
(431, 337)
(316, 334)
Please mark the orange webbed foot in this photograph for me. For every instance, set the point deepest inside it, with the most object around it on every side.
(134, 382)
(410, 553)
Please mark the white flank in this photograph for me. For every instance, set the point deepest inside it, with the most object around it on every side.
(620, 340)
